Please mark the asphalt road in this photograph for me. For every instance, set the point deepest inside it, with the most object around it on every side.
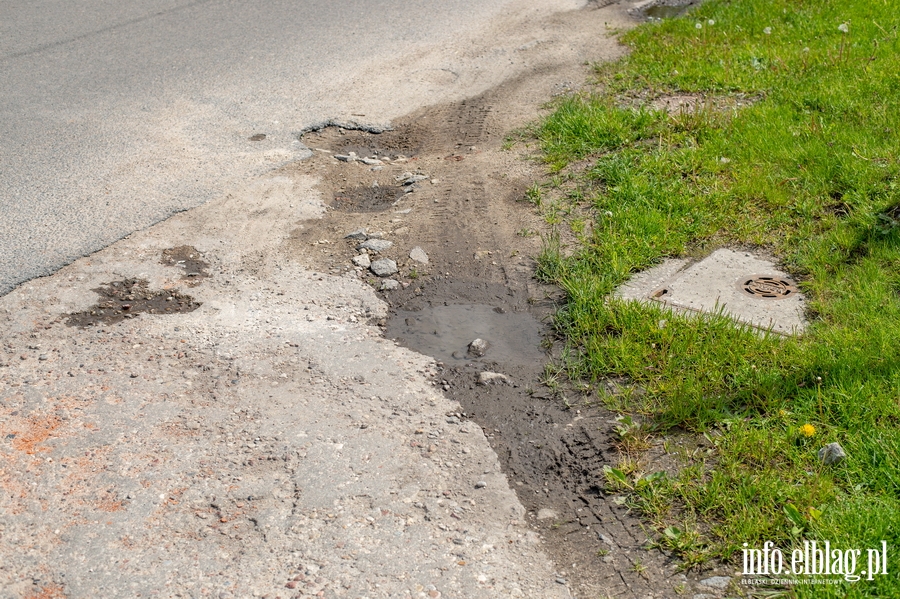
(117, 114)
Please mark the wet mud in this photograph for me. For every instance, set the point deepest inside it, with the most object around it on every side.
(468, 213)
(121, 300)
(190, 260)
(367, 199)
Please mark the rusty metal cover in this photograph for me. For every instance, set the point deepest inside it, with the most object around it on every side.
(767, 287)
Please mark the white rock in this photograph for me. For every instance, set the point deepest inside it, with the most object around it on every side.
(492, 378)
(390, 285)
(362, 260)
(478, 347)
(419, 255)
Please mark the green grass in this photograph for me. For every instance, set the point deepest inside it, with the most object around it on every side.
(809, 171)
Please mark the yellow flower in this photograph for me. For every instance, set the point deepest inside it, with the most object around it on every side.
(807, 430)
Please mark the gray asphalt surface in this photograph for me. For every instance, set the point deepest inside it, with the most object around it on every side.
(115, 115)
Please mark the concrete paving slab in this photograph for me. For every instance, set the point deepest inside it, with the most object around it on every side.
(747, 287)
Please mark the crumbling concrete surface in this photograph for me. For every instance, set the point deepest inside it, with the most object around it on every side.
(268, 443)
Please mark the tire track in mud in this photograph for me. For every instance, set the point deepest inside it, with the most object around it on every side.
(468, 216)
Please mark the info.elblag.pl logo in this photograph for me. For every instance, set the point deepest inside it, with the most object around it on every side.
(816, 559)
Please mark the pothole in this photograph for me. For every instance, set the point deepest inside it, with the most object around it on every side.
(367, 199)
(473, 280)
(121, 300)
(190, 260)
(446, 331)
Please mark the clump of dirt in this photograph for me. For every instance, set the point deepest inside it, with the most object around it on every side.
(121, 300)
(367, 199)
(190, 259)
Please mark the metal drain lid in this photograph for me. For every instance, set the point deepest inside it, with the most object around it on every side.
(767, 287)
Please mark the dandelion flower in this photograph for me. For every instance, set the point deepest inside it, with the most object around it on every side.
(767, 31)
(711, 22)
(807, 430)
(844, 28)
(698, 26)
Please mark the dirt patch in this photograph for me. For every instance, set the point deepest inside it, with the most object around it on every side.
(126, 299)
(190, 259)
(469, 215)
(367, 199)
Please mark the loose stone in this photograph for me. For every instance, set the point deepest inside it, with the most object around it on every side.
(478, 347)
(832, 453)
(375, 245)
(492, 378)
(384, 267)
(419, 255)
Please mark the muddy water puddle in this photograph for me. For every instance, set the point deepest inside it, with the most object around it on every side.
(445, 332)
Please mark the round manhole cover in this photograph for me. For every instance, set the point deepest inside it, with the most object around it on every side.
(767, 287)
